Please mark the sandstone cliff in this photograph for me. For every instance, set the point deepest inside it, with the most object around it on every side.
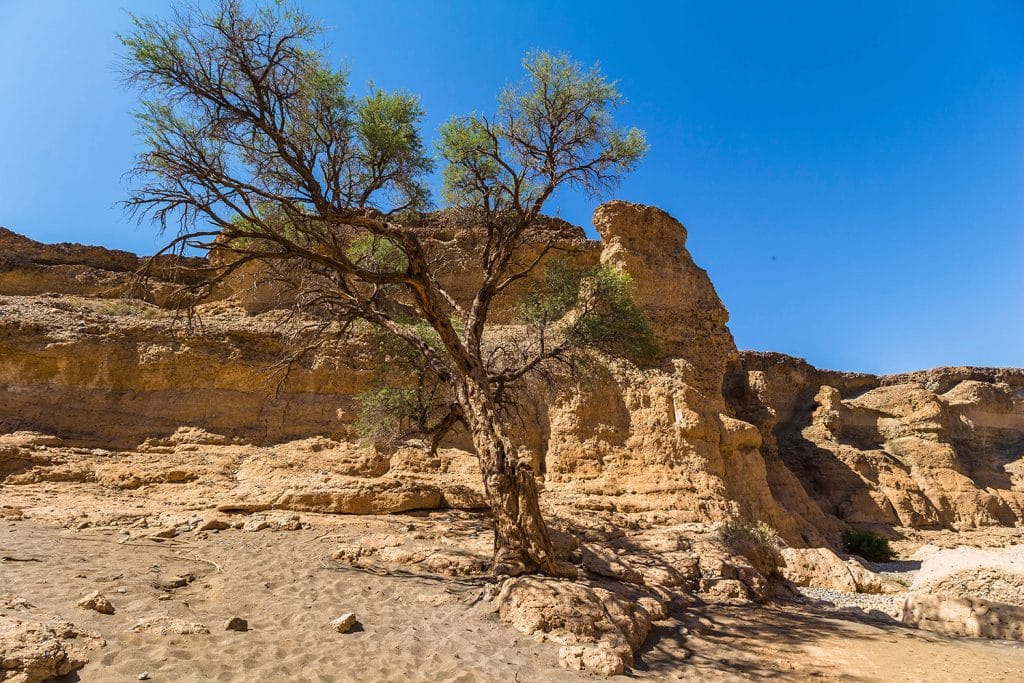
(941, 448)
(706, 434)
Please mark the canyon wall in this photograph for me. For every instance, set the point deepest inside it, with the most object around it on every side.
(941, 448)
(707, 433)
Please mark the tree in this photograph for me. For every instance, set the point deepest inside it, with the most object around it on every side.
(255, 149)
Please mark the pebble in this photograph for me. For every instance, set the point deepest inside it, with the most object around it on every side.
(865, 602)
(144, 676)
(869, 604)
(96, 602)
(344, 623)
(256, 525)
(214, 524)
(166, 532)
(236, 624)
(172, 582)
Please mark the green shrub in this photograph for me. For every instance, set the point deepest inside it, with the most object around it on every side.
(736, 532)
(758, 542)
(383, 413)
(867, 544)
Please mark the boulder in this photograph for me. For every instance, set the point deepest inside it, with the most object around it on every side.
(822, 568)
(97, 603)
(963, 616)
(344, 623)
(600, 629)
(970, 592)
(35, 651)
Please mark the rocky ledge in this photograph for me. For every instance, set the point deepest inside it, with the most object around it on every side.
(104, 389)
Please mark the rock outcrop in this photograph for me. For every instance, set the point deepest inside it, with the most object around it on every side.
(104, 383)
(970, 592)
(936, 449)
(37, 647)
(29, 267)
(678, 297)
(598, 629)
(705, 435)
(641, 442)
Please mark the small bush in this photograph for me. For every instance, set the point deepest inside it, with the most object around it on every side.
(118, 308)
(736, 532)
(383, 413)
(757, 542)
(867, 544)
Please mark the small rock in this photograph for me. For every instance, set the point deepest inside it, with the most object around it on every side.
(256, 525)
(214, 524)
(172, 582)
(236, 624)
(164, 625)
(166, 532)
(292, 523)
(97, 602)
(344, 623)
(144, 676)
(598, 659)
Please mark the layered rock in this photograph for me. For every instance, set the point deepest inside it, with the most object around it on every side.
(125, 395)
(630, 441)
(969, 592)
(706, 434)
(936, 449)
(678, 297)
(113, 377)
(28, 267)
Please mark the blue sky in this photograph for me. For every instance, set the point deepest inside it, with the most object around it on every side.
(851, 174)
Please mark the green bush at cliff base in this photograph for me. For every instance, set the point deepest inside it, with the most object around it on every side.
(867, 544)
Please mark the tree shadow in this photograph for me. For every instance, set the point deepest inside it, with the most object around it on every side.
(711, 641)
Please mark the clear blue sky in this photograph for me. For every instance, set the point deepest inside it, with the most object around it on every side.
(851, 173)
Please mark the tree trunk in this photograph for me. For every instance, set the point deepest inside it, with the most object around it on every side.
(521, 540)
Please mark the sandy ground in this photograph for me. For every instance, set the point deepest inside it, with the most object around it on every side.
(412, 628)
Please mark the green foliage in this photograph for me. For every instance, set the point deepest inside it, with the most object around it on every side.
(394, 154)
(594, 307)
(611, 320)
(556, 292)
(241, 115)
(384, 412)
(756, 541)
(123, 307)
(377, 254)
(405, 391)
(554, 128)
(737, 534)
(474, 175)
(577, 104)
(867, 544)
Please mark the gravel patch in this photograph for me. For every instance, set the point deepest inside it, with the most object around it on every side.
(893, 567)
(885, 607)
